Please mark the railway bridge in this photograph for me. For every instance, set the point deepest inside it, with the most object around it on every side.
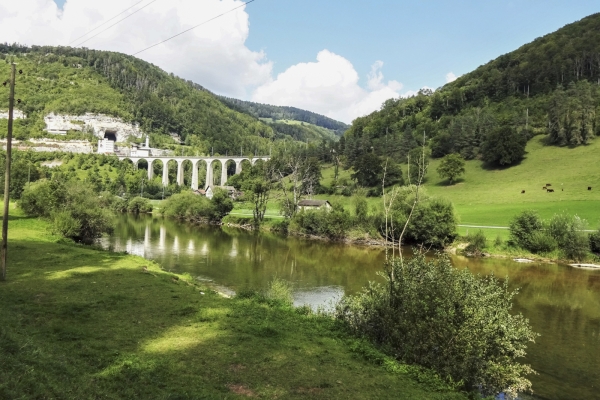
(195, 162)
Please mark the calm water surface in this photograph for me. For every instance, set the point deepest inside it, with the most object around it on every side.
(562, 303)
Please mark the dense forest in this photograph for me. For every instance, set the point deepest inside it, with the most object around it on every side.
(76, 81)
(548, 87)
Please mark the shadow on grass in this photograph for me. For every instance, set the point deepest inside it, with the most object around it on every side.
(448, 184)
(496, 167)
(81, 323)
(12, 217)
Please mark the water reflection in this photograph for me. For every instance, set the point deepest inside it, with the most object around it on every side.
(563, 304)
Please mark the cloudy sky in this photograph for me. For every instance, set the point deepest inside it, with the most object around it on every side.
(339, 58)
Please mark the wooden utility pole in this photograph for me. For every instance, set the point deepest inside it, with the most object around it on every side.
(11, 104)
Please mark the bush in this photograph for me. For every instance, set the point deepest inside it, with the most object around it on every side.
(432, 224)
(332, 224)
(187, 206)
(139, 205)
(74, 209)
(279, 293)
(221, 204)
(458, 324)
(522, 228)
(570, 236)
(477, 242)
(595, 242)
(542, 242)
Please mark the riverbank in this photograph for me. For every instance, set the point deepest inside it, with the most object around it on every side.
(79, 323)
(359, 238)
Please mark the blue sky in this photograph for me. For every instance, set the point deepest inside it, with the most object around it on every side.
(338, 58)
(418, 41)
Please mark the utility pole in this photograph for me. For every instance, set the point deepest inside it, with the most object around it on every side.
(11, 104)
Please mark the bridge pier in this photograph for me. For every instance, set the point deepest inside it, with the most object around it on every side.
(209, 174)
(150, 170)
(180, 172)
(223, 172)
(165, 177)
(195, 175)
(238, 167)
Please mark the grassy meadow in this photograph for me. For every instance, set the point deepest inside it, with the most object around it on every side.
(491, 197)
(82, 323)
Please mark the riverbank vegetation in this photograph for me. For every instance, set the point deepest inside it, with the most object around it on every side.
(456, 323)
(81, 323)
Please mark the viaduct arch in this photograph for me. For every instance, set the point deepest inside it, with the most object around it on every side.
(195, 161)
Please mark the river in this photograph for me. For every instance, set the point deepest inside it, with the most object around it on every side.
(562, 303)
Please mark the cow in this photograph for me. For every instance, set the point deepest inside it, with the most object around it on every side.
(522, 191)
(550, 190)
(543, 187)
(589, 188)
(548, 184)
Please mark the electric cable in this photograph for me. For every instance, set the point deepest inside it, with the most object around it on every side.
(122, 19)
(106, 22)
(193, 27)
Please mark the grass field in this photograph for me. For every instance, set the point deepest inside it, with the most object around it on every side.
(492, 197)
(81, 323)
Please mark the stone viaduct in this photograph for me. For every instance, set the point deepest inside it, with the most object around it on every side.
(195, 161)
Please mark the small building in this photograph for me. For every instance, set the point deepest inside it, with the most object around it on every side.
(106, 146)
(306, 205)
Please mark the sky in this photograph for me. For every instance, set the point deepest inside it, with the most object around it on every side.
(338, 58)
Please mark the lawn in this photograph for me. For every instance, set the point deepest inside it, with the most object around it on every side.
(81, 323)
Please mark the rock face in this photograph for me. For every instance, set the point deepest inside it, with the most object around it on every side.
(17, 114)
(98, 124)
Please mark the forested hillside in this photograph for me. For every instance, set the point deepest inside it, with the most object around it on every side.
(299, 124)
(285, 113)
(548, 87)
(76, 81)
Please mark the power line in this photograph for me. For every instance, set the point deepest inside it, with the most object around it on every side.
(106, 22)
(122, 19)
(193, 27)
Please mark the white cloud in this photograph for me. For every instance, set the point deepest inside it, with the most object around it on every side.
(329, 86)
(213, 55)
(450, 77)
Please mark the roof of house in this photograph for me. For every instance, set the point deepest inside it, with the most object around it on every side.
(312, 203)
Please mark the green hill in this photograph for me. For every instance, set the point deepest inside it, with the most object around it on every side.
(299, 124)
(76, 81)
(549, 87)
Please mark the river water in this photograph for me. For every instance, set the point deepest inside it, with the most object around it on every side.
(562, 303)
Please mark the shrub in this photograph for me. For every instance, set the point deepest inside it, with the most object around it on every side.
(498, 241)
(458, 324)
(522, 228)
(570, 236)
(139, 205)
(433, 223)
(542, 242)
(477, 242)
(75, 210)
(595, 241)
(360, 208)
(221, 204)
(187, 206)
(332, 223)
(279, 293)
